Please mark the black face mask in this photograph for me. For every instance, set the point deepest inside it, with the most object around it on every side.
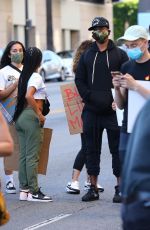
(100, 37)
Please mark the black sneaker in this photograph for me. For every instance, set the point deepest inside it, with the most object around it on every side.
(38, 196)
(91, 195)
(117, 197)
(10, 188)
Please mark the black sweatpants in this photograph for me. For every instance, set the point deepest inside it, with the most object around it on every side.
(93, 127)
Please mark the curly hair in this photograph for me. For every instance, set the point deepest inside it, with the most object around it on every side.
(5, 60)
(82, 48)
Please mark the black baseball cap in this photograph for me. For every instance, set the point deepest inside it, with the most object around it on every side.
(99, 22)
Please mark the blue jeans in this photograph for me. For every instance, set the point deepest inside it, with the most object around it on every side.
(124, 138)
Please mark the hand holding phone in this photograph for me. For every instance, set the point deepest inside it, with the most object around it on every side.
(116, 73)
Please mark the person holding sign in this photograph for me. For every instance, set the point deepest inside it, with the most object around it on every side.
(94, 82)
(137, 68)
(11, 65)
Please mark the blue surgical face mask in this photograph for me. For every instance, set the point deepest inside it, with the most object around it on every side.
(135, 53)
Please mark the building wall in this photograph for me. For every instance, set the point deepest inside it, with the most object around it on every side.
(40, 21)
(56, 24)
(5, 22)
(70, 21)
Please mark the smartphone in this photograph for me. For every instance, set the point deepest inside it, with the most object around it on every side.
(116, 73)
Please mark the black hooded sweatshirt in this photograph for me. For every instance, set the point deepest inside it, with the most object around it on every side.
(93, 76)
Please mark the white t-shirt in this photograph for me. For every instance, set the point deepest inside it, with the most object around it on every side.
(8, 76)
(37, 82)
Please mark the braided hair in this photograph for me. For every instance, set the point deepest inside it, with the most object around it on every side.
(32, 60)
(83, 47)
(5, 59)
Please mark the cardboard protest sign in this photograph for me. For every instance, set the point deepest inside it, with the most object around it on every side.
(73, 107)
(134, 98)
(12, 162)
(119, 112)
(44, 151)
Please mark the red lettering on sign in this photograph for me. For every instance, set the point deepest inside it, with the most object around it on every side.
(72, 110)
(76, 122)
(70, 94)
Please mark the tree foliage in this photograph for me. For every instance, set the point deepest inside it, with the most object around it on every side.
(125, 15)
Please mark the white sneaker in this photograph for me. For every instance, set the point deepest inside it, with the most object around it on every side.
(39, 197)
(23, 194)
(88, 184)
(100, 188)
(73, 187)
(10, 188)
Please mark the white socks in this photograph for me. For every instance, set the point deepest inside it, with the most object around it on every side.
(9, 178)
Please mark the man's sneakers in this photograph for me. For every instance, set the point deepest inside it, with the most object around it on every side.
(73, 187)
(117, 197)
(87, 186)
(23, 194)
(39, 197)
(91, 195)
(10, 188)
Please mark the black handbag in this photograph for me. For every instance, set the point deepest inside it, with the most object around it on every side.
(46, 107)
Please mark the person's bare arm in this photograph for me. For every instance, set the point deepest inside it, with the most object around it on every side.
(6, 92)
(6, 142)
(129, 82)
(31, 101)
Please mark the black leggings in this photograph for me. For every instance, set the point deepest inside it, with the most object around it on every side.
(80, 159)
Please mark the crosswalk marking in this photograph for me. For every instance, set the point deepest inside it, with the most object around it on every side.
(48, 221)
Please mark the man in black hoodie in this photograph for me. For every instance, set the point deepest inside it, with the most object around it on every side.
(94, 82)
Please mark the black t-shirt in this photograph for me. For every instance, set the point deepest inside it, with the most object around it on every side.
(139, 71)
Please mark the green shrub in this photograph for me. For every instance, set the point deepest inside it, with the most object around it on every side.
(124, 15)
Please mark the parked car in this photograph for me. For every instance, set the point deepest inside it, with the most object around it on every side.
(67, 57)
(52, 66)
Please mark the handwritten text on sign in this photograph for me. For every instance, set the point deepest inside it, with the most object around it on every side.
(73, 107)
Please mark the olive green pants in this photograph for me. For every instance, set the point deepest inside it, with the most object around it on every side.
(30, 137)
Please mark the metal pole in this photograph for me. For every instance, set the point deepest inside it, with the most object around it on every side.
(49, 25)
(26, 25)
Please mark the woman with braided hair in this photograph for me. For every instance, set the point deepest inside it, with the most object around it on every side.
(29, 122)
